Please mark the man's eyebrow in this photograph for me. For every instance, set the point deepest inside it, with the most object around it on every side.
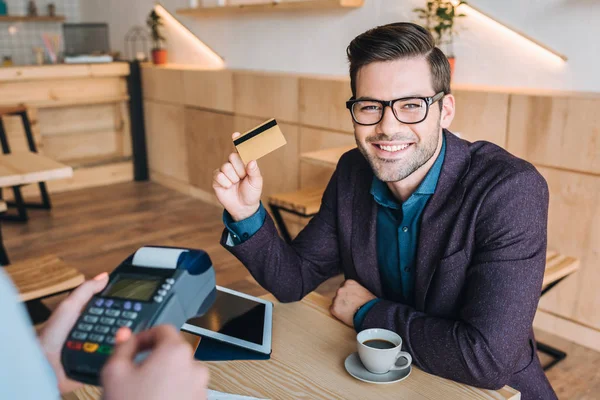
(362, 98)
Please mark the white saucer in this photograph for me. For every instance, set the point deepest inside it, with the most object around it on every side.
(357, 370)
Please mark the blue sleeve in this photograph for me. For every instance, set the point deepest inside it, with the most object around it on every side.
(22, 360)
(360, 315)
(243, 230)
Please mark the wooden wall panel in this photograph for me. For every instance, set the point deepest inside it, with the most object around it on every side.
(88, 118)
(81, 145)
(322, 103)
(15, 133)
(45, 93)
(266, 95)
(574, 229)
(317, 139)
(209, 89)
(163, 84)
(481, 116)
(556, 131)
(166, 140)
(209, 143)
(279, 168)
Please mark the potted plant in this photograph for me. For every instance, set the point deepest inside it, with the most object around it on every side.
(438, 18)
(159, 54)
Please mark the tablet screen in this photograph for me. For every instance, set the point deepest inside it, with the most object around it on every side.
(234, 316)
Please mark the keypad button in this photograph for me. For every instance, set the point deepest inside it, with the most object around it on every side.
(109, 303)
(74, 345)
(99, 302)
(127, 305)
(107, 321)
(104, 349)
(101, 329)
(158, 299)
(170, 281)
(124, 322)
(96, 311)
(114, 330)
(85, 327)
(129, 314)
(79, 335)
(166, 286)
(162, 292)
(96, 338)
(137, 306)
(113, 313)
(90, 319)
(110, 340)
(90, 347)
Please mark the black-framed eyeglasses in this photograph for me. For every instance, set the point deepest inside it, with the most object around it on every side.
(408, 110)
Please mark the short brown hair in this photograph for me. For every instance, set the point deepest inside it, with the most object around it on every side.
(395, 41)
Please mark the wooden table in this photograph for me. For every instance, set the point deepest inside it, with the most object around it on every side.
(309, 349)
(327, 157)
(25, 168)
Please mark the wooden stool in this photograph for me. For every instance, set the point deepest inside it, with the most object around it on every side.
(303, 203)
(19, 203)
(38, 278)
(558, 267)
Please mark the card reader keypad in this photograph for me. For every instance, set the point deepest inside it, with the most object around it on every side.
(96, 329)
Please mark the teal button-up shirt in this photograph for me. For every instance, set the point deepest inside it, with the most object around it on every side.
(398, 226)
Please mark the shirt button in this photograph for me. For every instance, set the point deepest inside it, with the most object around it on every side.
(405, 229)
(406, 269)
(245, 236)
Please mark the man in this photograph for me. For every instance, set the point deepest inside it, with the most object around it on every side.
(33, 370)
(440, 240)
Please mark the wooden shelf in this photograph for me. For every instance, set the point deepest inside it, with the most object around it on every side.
(25, 18)
(299, 5)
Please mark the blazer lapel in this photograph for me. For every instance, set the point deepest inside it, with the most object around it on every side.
(364, 231)
(439, 215)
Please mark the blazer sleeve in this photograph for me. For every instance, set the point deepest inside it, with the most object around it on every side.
(291, 271)
(502, 289)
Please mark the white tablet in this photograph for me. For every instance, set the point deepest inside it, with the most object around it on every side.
(236, 318)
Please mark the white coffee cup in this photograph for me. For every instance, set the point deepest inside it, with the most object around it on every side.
(382, 358)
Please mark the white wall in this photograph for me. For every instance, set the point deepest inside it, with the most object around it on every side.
(311, 42)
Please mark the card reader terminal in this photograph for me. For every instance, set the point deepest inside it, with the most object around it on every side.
(155, 285)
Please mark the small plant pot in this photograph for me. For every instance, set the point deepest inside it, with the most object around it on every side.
(159, 56)
(451, 60)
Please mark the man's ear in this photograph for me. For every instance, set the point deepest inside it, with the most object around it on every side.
(448, 111)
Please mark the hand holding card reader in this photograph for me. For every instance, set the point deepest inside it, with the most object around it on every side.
(153, 286)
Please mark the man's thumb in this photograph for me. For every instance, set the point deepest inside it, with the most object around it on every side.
(254, 176)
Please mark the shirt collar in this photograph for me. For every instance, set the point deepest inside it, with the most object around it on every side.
(384, 197)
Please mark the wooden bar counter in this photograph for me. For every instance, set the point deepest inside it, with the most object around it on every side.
(79, 115)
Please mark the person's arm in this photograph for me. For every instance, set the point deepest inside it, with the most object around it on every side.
(502, 289)
(240, 231)
(22, 360)
(290, 272)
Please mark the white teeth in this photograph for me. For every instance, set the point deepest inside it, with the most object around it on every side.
(393, 148)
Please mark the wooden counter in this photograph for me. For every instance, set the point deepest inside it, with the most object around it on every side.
(191, 114)
(79, 115)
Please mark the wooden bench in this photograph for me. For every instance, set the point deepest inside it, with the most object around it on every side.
(26, 167)
(558, 267)
(304, 203)
(41, 277)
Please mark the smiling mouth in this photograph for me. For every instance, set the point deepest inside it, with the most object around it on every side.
(392, 148)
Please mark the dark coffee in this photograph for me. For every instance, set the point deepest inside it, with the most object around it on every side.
(379, 344)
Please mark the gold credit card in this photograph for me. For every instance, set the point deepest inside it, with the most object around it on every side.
(259, 141)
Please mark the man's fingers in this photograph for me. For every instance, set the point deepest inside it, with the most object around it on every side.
(86, 290)
(230, 172)
(123, 335)
(220, 180)
(236, 135)
(238, 165)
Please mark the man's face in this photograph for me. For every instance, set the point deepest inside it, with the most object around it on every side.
(395, 150)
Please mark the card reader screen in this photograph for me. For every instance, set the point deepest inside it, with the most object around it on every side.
(133, 288)
(234, 316)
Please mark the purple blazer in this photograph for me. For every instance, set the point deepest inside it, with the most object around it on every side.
(479, 267)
